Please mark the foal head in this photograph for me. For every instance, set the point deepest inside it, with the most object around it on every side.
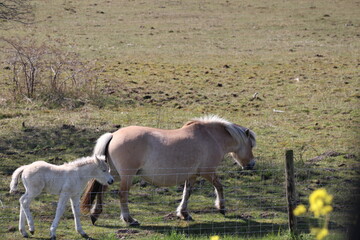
(243, 153)
(102, 171)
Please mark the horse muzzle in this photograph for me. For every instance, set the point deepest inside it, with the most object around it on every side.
(250, 166)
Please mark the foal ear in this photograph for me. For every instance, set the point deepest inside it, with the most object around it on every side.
(97, 159)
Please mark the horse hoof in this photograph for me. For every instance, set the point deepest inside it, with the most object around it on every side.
(189, 218)
(134, 224)
(53, 238)
(32, 232)
(25, 235)
(93, 219)
(222, 211)
(186, 217)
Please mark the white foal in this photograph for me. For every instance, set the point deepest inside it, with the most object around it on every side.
(67, 180)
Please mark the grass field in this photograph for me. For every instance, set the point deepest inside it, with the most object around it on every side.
(165, 62)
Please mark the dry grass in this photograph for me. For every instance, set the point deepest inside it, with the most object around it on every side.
(168, 61)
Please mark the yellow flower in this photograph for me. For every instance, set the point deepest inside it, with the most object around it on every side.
(300, 209)
(320, 202)
(320, 233)
(214, 238)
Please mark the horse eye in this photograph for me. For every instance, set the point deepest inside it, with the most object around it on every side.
(104, 170)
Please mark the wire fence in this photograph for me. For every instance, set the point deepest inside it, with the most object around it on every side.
(255, 205)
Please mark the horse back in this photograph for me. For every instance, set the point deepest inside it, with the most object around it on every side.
(135, 146)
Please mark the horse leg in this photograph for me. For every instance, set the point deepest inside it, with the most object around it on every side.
(59, 212)
(182, 211)
(25, 201)
(220, 200)
(75, 206)
(125, 184)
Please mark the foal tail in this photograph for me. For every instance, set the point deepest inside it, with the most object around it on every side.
(94, 189)
(15, 178)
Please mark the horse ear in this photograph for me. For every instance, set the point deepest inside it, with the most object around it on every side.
(247, 132)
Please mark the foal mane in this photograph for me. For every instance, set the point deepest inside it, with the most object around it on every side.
(236, 131)
(81, 161)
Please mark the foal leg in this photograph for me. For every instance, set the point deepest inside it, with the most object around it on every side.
(182, 211)
(22, 218)
(25, 201)
(75, 206)
(125, 184)
(59, 212)
(220, 200)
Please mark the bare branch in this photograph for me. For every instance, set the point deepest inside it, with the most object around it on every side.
(16, 11)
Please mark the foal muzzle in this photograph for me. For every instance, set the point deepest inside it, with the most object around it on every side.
(111, 181)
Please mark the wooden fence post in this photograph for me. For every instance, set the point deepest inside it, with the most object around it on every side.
(290, 189)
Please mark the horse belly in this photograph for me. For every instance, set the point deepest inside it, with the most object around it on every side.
(166, 177)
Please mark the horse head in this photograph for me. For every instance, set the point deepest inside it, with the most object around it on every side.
(243, 153)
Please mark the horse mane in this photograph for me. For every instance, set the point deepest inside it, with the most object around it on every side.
(81, 161)
(236, 131)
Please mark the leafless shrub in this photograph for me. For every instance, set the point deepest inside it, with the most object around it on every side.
(47, 72)
(16, 11)
(25, 61)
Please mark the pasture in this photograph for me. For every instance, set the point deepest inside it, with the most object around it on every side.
(162, 63)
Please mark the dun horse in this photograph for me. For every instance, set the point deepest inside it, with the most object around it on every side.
(171, 157)
(67, 180)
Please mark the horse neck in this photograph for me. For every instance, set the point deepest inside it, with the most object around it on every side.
(224, 139)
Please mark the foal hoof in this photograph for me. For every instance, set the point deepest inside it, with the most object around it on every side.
(25, 236)
(86, 236)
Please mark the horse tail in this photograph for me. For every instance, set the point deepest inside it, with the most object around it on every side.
(15, 178)
(93, 190)
(102, 144)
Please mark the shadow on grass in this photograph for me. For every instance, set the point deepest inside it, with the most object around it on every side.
(243, 227)
(49, 144)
